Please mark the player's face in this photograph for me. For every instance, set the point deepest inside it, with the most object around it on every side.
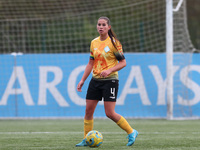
(103, 27)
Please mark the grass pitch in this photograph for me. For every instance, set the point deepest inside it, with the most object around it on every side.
(65, 134)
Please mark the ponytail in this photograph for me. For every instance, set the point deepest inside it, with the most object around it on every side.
(113, 37)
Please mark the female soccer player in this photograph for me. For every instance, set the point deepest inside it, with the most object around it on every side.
(106, 58)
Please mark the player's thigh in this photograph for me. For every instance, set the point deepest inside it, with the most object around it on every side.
(91, 105)
(109, 106)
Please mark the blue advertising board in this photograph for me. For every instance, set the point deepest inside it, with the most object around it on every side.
(44, 85)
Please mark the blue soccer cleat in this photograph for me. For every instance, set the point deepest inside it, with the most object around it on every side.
(131, 137)
(83, 143)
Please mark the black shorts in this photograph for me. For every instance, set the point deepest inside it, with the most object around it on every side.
(106, 89)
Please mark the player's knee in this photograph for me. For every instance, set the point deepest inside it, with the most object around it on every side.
(110, 115)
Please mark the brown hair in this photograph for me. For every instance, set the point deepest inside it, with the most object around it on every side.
(111, 33)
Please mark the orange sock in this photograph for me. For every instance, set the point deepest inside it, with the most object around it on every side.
(122, 123)
(88, 126)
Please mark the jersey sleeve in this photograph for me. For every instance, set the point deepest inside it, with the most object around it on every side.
(119, 51)
(91, 52)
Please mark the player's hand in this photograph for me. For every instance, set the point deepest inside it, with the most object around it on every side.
(79, 86)
(105, 73)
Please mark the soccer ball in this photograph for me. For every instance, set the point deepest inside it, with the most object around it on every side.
(94, 138)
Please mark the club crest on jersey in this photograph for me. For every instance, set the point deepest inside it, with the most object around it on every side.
(106, 49)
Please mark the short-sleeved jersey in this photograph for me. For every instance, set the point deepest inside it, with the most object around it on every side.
(105, 56)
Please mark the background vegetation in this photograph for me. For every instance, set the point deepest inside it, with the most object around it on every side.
(62, 26)
(193, 11)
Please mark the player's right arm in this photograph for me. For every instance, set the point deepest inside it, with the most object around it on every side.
(87, 72)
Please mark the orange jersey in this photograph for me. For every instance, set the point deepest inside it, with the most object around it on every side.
(105, 56)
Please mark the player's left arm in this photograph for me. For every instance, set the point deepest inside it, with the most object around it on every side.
(122, 62)
(119, 66)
